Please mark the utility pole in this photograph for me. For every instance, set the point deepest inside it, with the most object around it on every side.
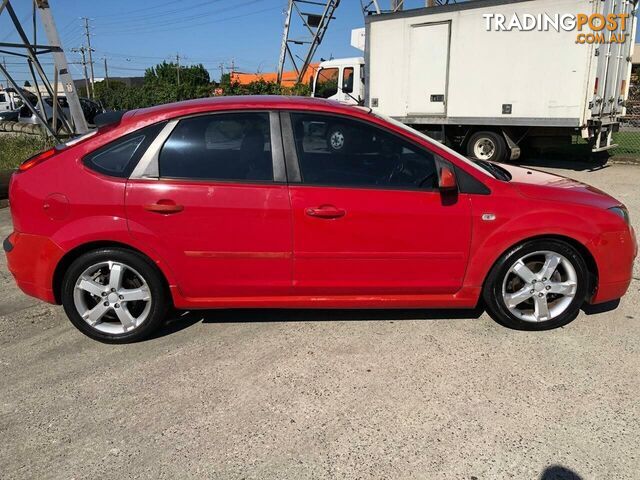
(284, 48)
(4, 64)
(178, 67)
(106, 72)
(89, 49)
(398, 5)
(30, 51)
(83, 50)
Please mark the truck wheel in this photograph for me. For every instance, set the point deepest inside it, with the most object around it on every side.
(487, 146)
(338, 139)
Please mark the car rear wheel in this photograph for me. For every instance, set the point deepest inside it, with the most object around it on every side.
(114, 295)
(538, 285)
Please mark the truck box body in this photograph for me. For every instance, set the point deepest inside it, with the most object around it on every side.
(441, 66)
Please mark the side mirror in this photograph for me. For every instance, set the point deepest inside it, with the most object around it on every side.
(447, 180)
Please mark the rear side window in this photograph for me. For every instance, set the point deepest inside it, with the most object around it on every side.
(119, 158)
(227, 146)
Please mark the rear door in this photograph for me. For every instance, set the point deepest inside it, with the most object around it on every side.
(210, 196)
(428, 69)
(367, 216)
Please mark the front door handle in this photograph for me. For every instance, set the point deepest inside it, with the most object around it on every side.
(165, 207)
(325, 211)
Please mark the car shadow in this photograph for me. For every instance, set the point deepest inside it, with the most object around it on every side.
(558, 472)
(180, 320)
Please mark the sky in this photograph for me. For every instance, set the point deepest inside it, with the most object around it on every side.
(136, 34)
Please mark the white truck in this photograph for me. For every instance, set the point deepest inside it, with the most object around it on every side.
(10, 104)
(489, 76)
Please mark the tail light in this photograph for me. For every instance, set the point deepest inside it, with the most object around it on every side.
(37, 159)
(595, 89)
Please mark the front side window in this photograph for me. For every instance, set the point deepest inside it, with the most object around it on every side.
(119, 158)
(343, 152)
(347, 80)
(327, 82)
(234, 146)
(2, 98)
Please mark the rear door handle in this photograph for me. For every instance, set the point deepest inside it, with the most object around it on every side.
(165, 207)
(326, 211)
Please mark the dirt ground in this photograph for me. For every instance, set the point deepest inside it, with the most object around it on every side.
(325, 394)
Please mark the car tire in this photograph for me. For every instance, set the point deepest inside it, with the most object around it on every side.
(508, 283)
(122, 321)
(489, 146)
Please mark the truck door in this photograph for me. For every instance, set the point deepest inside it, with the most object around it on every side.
(614, 63)
(428, 69)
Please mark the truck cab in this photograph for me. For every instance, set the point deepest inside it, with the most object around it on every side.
(9, 105)
(341, 79)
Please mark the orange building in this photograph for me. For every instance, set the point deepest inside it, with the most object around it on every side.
(288, 78)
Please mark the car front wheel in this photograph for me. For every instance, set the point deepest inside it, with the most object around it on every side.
(538, 285)
(114, 295)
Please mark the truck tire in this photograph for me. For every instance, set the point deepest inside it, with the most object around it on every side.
(338, 139)
(487, 146)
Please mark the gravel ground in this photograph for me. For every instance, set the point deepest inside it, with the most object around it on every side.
(321, 394)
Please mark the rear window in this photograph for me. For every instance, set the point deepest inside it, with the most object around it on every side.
(119, 158)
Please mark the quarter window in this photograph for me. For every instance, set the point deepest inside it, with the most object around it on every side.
(343, 152)
(119, 158)
(235, 146)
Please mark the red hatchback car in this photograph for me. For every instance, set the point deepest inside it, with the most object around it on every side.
(291, 202)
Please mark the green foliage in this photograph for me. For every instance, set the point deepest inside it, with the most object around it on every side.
(15, 149)
(161, 86)
(262, 87)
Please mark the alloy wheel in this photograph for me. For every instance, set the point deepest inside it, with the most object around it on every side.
(112, 297)
(540, 286)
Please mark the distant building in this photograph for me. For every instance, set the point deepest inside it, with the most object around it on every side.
(288, 78)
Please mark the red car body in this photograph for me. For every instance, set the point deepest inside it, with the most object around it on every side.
(234, 244)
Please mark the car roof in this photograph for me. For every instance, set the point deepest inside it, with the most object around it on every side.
(240, 102)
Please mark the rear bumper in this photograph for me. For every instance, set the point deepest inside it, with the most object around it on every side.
(615, 253)
(32, 260)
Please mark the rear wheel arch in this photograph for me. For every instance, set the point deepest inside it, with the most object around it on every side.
(73, 254)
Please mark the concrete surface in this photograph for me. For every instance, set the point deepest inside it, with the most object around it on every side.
(304, 394)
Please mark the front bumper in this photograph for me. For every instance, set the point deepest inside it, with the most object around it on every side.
(32, 261)
(615, 253)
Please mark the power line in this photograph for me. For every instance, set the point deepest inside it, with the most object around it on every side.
(182, 27)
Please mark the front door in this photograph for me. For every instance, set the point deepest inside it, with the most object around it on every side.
(367, 215)
(213, 208)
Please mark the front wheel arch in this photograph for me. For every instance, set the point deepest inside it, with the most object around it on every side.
(69, 257)
(587, 256)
